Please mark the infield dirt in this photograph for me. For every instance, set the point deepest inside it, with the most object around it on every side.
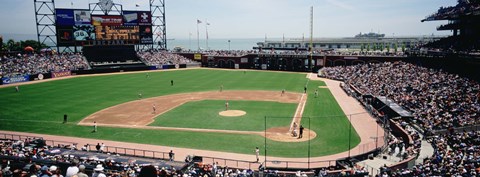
(140, 113)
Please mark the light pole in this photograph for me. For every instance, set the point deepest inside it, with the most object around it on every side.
(229, 47)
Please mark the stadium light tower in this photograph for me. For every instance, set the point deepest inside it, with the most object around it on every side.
(45, 22)
(157, 7)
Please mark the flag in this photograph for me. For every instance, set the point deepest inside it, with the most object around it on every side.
(198, 21)
(136, 5)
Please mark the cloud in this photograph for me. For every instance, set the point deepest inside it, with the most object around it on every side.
(340, 4)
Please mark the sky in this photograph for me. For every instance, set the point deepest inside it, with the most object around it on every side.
(260, 18)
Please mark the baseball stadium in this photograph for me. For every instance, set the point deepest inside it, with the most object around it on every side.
(99, 94)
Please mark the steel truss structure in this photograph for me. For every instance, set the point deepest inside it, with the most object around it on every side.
(157, 8)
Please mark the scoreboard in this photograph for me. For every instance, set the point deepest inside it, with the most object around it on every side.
(77, 27)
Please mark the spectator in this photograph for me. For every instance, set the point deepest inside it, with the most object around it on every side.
(72, 169)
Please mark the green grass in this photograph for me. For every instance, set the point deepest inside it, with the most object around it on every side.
(39, 108)
(204, 115)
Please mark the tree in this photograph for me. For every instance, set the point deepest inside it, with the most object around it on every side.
(403, 47)
(10, 44)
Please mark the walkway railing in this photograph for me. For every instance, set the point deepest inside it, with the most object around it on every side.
(24, 137)
(269, 164)
(130, 152)
(91, 147)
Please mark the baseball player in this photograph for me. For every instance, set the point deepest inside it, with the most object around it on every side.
(94, 126)
(154, 109)
(226, 105)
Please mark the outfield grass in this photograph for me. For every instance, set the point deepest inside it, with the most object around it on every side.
(39, 108)
(204, 115)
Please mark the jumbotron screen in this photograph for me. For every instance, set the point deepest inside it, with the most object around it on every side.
(77, 27)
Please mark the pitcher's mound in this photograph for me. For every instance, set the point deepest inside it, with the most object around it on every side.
(232, 113)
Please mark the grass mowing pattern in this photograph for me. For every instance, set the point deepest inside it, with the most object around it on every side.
(39, 108)
(204, 115)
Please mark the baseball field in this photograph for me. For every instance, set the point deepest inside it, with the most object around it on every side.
(185, 108)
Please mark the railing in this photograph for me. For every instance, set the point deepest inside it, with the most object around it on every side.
(47, 142)
(268, 164)
(110, 149)
(131, 152)
(300, 165)
(230, 162)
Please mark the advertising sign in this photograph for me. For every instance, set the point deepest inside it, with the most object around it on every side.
(65, 35)
(144, 18)
(197, 56)
(107, 20)
(146, 36)
(130, 18)
(15, 79)
(61, 74)
(64, 17)
(82, 17)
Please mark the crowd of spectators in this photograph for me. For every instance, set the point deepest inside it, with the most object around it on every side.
(40, 161)
(41, 63)
(240, 53)
(454, 44)
(159, 58)
(406, 150)
(228, 53)
(464, 7)
(437, 99)
(456, 154)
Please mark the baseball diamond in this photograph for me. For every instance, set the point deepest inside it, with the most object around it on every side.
(112, 101)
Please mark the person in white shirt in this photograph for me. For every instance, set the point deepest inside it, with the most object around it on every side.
(72, 170)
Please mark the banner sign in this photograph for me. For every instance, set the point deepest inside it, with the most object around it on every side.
(144, 18)
(15, 79)
(65, 35)
(61, 74)
(135, 18)
(130, 18)
(146, 36)
(64, 17)
(107, 20)
(68, 17)
(197, 56)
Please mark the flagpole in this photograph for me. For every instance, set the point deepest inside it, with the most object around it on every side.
(198, 37)
(189, 41)
(206, 32)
